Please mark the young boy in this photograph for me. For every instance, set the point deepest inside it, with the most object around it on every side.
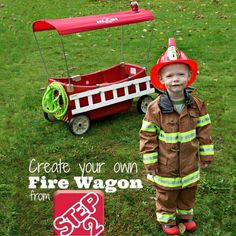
(174, 138)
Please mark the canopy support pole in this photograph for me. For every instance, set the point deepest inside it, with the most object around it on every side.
(122, 58)
(41, 54)
(64, 54)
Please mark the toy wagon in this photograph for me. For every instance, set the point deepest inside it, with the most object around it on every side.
(79, 99)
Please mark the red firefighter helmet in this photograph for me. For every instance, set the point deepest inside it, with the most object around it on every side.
(172, 56)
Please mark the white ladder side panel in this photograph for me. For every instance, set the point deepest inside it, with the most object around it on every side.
(137, 88)
(103, 99)
(112, 101)
(126, 91)
(148, 85)
(114, 91)
(115, 99)
(77, 103)
(90, 100)
(109, 88)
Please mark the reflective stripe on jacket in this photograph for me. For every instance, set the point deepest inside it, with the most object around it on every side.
(174, 142)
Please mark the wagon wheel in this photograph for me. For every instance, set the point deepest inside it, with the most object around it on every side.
(142, 103)
(49, 117)
(79, 124)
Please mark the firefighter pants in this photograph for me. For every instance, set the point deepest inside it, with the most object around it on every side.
(170, 203)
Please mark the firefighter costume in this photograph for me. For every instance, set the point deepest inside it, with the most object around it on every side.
(172, 145)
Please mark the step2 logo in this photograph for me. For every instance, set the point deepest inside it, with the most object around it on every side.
(78, 213)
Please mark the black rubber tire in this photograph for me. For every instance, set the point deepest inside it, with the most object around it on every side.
(143, 102)
(79, 125)
(49, 117)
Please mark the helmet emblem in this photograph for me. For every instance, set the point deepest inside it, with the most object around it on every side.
(172, 53)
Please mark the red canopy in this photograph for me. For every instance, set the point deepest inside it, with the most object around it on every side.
(87, 23)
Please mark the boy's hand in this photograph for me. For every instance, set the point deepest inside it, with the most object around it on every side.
(204, 165)
(151, 168)
(152, 172)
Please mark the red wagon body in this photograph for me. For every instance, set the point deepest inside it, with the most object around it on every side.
(113, 75)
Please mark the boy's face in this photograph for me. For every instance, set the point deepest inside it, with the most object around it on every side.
(175, 77)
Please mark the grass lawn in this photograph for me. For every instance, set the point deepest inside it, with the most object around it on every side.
(204, 30)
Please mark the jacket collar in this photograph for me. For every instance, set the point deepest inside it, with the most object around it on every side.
(166, 105)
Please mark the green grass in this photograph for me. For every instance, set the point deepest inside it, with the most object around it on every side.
(204, 30)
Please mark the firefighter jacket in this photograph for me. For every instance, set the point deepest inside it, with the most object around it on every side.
(172, 143)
